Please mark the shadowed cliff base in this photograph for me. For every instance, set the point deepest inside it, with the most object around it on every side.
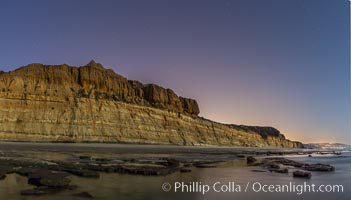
(64, 103)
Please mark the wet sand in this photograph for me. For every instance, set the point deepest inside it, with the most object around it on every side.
(137, 149)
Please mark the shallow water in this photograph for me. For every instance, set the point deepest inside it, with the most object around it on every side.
(119, 186)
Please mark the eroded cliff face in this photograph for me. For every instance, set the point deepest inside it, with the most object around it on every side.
(91, 103)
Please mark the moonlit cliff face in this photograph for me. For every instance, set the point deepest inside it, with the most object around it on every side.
(90, 103)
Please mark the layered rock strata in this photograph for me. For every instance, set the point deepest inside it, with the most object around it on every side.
(93, 104)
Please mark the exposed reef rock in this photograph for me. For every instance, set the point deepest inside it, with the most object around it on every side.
(90, 103)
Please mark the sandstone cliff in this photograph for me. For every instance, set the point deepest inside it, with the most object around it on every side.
(90, 103)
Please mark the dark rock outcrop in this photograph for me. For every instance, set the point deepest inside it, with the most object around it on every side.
(250, 160)
(302, 174)
(42, 177)
(2, 175)
(83, 195)
(319, 167)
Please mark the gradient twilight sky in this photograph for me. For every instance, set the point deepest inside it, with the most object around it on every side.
(282, 63)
